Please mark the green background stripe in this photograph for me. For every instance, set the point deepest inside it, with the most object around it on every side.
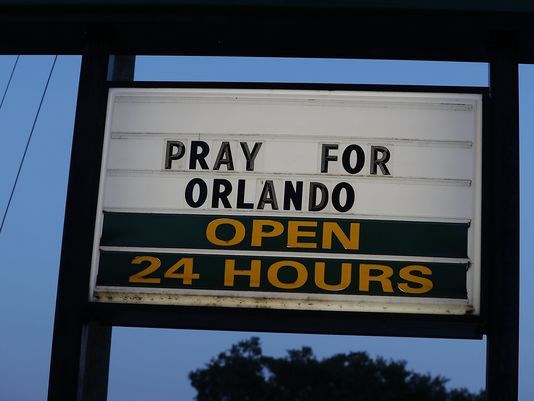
(377, 237)
(115, 268)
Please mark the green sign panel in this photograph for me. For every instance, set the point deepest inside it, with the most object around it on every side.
(270, 274)
(162, 260)
(373, 237)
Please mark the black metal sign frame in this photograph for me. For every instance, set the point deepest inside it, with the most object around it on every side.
(97, 318)
(82, 330)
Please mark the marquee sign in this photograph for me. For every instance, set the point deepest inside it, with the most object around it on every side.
(291, 199)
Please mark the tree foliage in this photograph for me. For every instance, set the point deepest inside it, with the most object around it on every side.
(243, 373)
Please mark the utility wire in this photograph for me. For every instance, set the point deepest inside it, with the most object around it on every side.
(9, 81)
(28, 142)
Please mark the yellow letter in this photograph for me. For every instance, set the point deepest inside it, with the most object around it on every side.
(211, 232)
(425, 284)
(293, 234)
(302, 274)
(230, 272)
(383, 278)
(331, 227)
(258, 233)
(344, 281)
(141, 277)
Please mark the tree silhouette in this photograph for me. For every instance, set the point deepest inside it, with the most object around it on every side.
(243, 373)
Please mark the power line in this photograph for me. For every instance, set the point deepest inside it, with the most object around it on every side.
(9, 81)
(28, 142)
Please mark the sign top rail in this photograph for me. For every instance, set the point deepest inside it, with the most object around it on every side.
(274, 28)
(514, 6)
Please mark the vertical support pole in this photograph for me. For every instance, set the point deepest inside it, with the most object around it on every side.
(503, 311)
(121, 68)
(94, 363)
(96, 338)
(81, 348)
(72, 333)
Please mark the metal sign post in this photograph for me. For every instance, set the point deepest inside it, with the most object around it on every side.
(81, 346)
(503, 281)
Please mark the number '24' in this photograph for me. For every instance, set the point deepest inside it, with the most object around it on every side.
(184, 264)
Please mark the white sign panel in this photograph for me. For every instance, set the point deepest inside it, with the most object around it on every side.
(298, 199)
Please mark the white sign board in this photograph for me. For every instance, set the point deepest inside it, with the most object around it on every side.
(294, 199)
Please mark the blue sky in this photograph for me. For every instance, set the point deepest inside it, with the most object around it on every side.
(152, 364)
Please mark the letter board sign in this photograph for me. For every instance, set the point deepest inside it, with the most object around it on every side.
(335, 200)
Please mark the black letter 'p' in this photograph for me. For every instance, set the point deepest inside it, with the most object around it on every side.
(174, 150)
